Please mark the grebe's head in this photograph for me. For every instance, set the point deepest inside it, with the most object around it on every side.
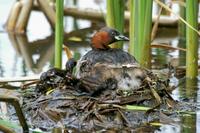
(71, 63)
(106, 36)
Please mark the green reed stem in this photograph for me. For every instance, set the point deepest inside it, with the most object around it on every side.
(115, 16)
(132, 29)
(192, 39)
(181, 25)
(182, 35)
(59, 33)
(140, 28)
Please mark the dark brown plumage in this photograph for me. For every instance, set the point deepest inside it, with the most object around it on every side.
(103, 64)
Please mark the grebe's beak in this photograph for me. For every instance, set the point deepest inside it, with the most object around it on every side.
(121, 38)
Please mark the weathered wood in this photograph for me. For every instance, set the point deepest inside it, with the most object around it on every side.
(14, 101)
(24, 16)
(96, 15)
(90, 14)
(13, 16)
(20, 14)
(19, 79)
(48, 11)
(6, 129)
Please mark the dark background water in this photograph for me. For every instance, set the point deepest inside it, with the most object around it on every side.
(31, 54)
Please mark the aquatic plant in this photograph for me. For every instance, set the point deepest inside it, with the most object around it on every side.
(131, 27)
(182, 35)
(192, 33)
(192, 39)
(59, 33)
(181, 25)
(140, 31)
(115, 17)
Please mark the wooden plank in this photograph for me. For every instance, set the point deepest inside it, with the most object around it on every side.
(19, 79)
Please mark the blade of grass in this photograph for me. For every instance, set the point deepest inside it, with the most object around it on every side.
(155, 123)
(143, 108)
(139, 108)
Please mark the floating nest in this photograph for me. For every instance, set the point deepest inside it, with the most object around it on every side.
(60, 100)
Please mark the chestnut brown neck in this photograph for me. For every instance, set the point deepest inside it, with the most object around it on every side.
(101, 40)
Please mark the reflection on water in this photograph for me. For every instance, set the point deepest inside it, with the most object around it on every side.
(20, 57)
(24, 55)
(188, 122)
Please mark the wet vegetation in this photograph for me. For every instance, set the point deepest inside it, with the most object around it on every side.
(72, 80)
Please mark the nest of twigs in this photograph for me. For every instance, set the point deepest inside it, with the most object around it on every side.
(63, 103)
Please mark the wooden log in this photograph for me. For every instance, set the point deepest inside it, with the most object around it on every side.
(90, 14)
(96, 15)
(24, 16)
(48, 11)
(19, 79)
(13, 16)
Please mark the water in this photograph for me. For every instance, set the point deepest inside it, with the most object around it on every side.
(33, 53)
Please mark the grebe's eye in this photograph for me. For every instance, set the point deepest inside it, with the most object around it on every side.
(113, 33)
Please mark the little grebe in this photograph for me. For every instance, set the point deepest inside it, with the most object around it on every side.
(103, 63)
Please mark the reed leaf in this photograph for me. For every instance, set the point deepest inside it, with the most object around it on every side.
(155, 123)
(59, 33)
(115, 17)
(140, 31)
(68, 52)
(138, 108)
(143, 108)
(192, 39)
(132, 27)
(181, 25)
(167, 47)
(170, 10)
(155, 26)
